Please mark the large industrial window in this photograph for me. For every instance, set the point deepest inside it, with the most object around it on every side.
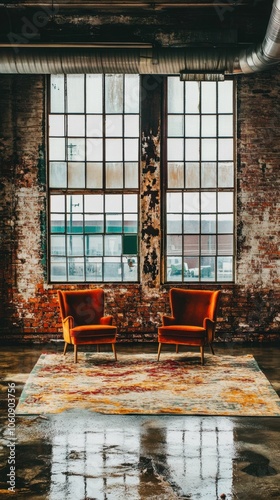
(199, 202)
(94, 177)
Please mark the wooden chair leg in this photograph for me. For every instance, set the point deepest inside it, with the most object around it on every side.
(75, 353)
(211, 348)
(159, 349)
(65, 348)
(114, 351)
(177, 348)
(202, 354)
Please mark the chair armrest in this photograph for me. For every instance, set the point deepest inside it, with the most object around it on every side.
(106, 320)
(209, 326)
(68, 322)
(168, 320)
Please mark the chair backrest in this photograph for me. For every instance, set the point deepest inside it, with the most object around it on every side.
(86, 306)
(190, 307)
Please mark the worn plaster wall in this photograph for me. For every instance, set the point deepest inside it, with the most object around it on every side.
(249, 308)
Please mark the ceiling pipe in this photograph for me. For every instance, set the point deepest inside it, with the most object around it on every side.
(52, 59)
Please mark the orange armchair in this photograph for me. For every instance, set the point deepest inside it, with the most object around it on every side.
(193, 320)
(83, 320)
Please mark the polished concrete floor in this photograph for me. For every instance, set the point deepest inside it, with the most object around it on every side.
(78, 455)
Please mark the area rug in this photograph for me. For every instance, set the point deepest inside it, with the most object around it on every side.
(139, 384)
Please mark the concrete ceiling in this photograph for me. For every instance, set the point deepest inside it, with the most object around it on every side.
(159, 24)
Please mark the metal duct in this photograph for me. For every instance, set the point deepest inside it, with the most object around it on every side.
(49, 59)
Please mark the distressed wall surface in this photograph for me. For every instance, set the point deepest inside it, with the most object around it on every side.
(249, 309)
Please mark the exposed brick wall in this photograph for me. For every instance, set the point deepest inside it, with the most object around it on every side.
(29, 308)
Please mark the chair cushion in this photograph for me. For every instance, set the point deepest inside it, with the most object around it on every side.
(93, 331)
(181, 334)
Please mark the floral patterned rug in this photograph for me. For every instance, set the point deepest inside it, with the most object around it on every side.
(139, 384)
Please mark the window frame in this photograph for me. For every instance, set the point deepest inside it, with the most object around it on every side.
(128, 271)
(184, 277)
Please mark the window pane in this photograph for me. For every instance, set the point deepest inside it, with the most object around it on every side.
(191, 245)
(192, 149)
(130, 203)
(192, 97)
(57, 94)
(174, 223)
(175, 175)
(76, 175)
(74, 223)
(94, 203)
(75, 94)
(58, 177)
(225, 202)
(94, 125)
(112, 269)
(208, 201)
(131, 93)
(114, 93)
(174, 245)
(75, 245)
(208, 223)
(174, 202)
(75, 149)
(175, 149)
(191, 202)
(225, 175)
(58, 269)
(94, 223)
(131, 149)
(208, 97)
(208, 244)
(58, 245)
(208, 175)
(225, 223)
(131, 126)
(113, 245)
(225, 147)
(191, 224)
(94, 175)
(114, 175)
(113, 203)
(56, 149)
(76, 269)
(225, 244)
(225, 103)
(131, 174)
(94, 269)
(175, 125)
(208, 149)
(56, 125)
(113, 223)
(94, 150)
(208, 126)
(225, 268)
(114, 126)
(225, 125)
(114, 151)
(175, 95)
(192, 175)
(76, 125)
(94, 93)
(57, 203)
(57, 223)
(192, 126)
(207, 268)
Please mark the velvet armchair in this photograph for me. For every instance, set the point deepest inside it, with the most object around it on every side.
(192, 321)
(83, 320)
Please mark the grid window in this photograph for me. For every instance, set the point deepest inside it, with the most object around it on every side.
(199, 204)
(94, 177)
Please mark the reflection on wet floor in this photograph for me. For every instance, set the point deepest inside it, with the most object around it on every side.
(78, 455)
